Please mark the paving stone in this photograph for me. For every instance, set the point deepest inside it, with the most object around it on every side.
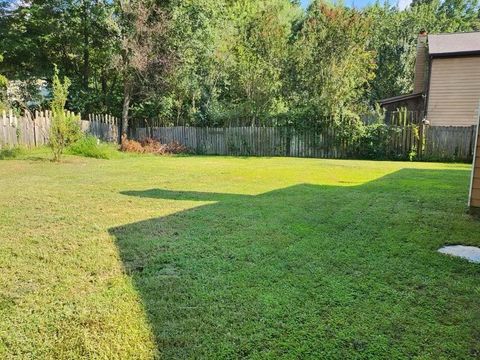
(471, 253)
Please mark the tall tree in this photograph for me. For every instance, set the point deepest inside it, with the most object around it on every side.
(259, 55)
(193, 36)
(143, 56)
(333, 63)
(77, 35)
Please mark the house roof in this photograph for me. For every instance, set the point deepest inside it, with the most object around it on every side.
(454, 44)
(400, 98)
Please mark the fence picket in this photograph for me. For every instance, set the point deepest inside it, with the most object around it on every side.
(3, 131)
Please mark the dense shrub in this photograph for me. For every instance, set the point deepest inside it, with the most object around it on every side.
(373, 143)
(152, 146)
(90, 146)
(376, 141)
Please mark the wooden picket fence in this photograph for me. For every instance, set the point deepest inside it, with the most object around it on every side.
(450, 143)
(251, 141)
(27, 130)
(426, 142)
(104, 127)
(33, 129)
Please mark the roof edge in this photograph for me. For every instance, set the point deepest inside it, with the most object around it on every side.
(399, 98)
(454, 54)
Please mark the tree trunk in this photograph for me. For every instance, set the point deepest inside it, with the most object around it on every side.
(103, 80)
(127, 96)
(86, 45)
(86, 66)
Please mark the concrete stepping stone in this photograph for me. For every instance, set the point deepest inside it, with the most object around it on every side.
(471, 253)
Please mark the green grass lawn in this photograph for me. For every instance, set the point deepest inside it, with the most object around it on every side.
(216, 257)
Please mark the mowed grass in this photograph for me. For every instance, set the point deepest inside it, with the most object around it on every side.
(216, 257)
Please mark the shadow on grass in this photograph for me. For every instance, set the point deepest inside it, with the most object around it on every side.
(311, 271)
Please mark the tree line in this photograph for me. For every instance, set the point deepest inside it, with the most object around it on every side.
(218, 62)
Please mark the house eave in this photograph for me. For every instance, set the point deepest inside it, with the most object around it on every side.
(400, 98)
(454, 54)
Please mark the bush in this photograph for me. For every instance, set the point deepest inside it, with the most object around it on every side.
(376, 140)
(131, 146)
(373, 143)
(65, 128)
(11, 153)
(152, 146)
(90, 146)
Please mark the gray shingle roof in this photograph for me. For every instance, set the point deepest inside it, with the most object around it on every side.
(457, 43)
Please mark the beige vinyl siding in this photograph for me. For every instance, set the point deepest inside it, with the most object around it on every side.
(454, 91)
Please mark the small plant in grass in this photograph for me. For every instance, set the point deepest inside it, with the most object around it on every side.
(11, 153)
(90, 146)
(65, 128)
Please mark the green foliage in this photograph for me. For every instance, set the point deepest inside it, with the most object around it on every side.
(3, 79)
(3, 82)
(65, 128)
(3, 106)
(374, 141)
(258, 51)
(221, 62)
(11, 153)
(78, 35)
(90, 146)
(333, 64)
(231, 60)
(3, 90)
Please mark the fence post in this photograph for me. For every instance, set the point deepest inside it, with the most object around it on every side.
(421, 133)
(34, 124)
(118, 127)
(16, 137)
(48, 124)
(288, 140)
(3, 128)
(43, 122)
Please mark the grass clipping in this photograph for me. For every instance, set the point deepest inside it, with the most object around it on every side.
(152, 146)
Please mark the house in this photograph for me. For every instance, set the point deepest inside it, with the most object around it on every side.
(447, 80)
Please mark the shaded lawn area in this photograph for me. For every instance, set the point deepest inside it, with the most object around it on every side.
(215, 257)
